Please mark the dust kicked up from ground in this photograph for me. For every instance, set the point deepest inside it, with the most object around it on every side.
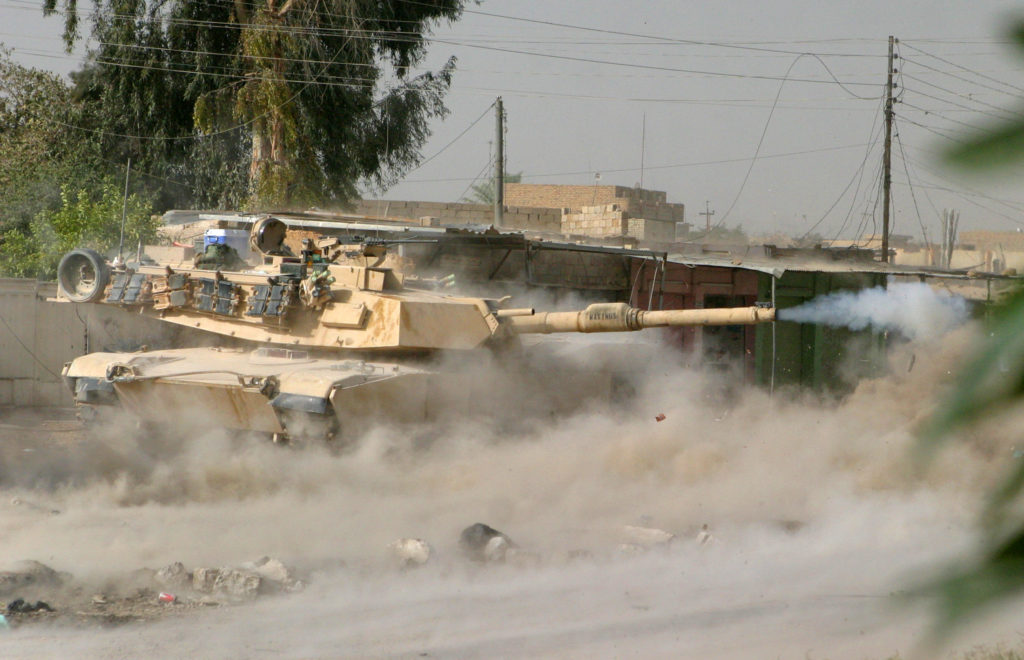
(817, 514)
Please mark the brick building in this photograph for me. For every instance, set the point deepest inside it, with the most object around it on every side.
(604, 211)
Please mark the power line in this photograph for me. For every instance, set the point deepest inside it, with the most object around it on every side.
(963, 68)
(454, 140)
(872, 141)
(956, 77)
(722, 161)
(688, 42)
(965, 96)
(924, 232)
(931, 130)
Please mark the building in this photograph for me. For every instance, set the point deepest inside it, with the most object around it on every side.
(609, 213)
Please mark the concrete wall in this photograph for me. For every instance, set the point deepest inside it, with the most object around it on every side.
(611, 220)
(37, 337)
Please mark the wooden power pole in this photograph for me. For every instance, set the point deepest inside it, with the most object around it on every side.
(887, 157)
(707, 212)
(499, 164)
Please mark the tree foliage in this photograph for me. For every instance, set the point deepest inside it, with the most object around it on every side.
(483, 193)
(84, 218)
(991, 383)
(274, 103)
(39, 150)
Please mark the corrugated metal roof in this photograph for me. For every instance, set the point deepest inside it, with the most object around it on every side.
(753, 259)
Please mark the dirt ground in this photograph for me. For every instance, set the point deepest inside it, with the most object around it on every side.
(818, 515)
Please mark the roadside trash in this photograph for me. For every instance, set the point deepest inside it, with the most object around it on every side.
(481, 542)
(165, 597)
(19, 606)
(648, 537)
(411, 552)
(660, 417)
(3, 623)
(99, 599)
(704, 537)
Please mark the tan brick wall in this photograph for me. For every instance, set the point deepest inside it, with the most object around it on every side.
(575, 197)
(453, 213)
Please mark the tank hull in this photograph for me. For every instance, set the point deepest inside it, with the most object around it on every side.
(290, 395)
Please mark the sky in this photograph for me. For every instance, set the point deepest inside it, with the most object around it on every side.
(768, 115)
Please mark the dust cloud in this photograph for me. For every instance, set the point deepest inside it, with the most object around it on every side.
(817, 509)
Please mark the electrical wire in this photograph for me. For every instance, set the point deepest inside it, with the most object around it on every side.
(915, 62)
(906, 169)
(1012, 113)
(454, 140)
(722, 161)
(872, 141)
(962, 67)
(27, 349)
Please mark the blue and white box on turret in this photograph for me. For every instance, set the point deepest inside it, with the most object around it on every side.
(236, 238)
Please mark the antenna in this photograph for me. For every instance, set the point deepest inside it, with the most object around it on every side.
(124, 211)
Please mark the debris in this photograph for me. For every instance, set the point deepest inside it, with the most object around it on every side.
(579, 554)
(481, 542)
(704, 536)
(173, 575)
(3, 623)
(274, 570)
(274, 574)
(205, 579)
(165, 597)
(28, 573)
(35, 507)
(20, 606)
(238, 583)
(99, 599)
(521, 558)
(411, 552)
(660, 417)
(631, 549)
(648, 537)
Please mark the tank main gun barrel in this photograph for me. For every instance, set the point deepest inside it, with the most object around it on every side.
(620, 317)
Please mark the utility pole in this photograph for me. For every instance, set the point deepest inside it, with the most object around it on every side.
(643, 148)
(887, 157)
(499, 163)
(707, 212)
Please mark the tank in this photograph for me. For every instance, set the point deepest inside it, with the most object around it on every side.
(314, 345)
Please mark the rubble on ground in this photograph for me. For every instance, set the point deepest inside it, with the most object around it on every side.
(411, 552)
(28, 574)
(648, 538)
(483, 543)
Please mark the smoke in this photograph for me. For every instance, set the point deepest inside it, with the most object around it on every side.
(912, 308)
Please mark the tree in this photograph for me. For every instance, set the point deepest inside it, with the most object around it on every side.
(278, 103)
(38, 148)
(84, 219)
(483, 193)
(991, 384)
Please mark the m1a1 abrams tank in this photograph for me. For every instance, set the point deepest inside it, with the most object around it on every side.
(316, 345)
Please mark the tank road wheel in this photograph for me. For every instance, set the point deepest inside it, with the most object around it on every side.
(83, 275)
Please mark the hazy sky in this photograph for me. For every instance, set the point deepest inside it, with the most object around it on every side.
(579, 77)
